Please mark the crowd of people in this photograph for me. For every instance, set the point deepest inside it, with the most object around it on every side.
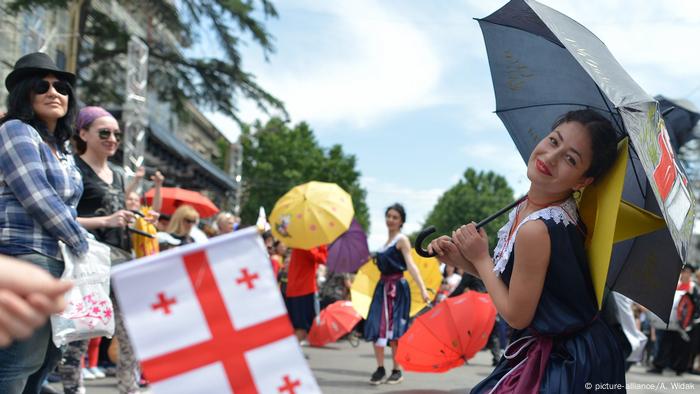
(57, 184)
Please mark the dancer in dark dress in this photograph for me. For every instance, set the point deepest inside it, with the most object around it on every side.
(539, 278)
(388, 315)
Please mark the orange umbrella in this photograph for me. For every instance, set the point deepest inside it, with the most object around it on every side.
(338, 319)
(448, 335)
(173, 197)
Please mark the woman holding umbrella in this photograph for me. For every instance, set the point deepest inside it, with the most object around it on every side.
(539, 279)
(102, 211)
(388, 313)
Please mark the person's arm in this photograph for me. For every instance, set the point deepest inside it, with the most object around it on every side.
(135, 181)
(319, 254)
(25, 175)
(517, 302)
(404, 246)
(157, 179)
(118, 219)
(28, 295)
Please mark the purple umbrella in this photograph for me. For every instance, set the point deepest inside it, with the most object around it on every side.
(349, 251)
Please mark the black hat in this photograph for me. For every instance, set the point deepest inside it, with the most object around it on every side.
(36, 63)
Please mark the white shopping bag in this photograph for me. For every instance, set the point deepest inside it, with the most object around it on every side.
(89, 311)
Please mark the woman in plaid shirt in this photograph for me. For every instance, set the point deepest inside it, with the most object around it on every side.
(39, 191)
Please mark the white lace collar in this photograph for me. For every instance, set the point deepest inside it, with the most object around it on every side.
(563, 213)
(391, 243)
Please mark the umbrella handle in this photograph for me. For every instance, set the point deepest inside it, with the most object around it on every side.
(137, 213)
(139, 232)
(419, 242)
(431, 229)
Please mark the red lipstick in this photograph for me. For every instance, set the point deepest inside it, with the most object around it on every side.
(541, 167)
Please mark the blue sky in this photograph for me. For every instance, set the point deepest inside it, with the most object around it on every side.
(404, 85)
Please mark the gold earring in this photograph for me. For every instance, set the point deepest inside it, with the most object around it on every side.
(577, 195)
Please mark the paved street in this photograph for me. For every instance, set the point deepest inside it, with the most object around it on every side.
(342, 369)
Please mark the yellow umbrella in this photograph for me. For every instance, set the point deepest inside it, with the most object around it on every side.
(312, 214)
(368, 275)
(611, 219)
(142, 245)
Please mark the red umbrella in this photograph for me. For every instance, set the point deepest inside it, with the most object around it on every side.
(173, 197)
(338, 319)
(448, 335)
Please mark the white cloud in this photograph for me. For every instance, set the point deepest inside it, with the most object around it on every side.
(381, 194)
(367, 65)
(654, 41)
(503, 160)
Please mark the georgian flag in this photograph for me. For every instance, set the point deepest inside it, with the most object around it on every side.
(209, 318)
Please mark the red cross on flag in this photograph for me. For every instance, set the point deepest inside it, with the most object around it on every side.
(209, 318)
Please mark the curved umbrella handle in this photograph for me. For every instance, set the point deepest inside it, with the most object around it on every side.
(137, 213)
(419, 242)
(139, 232)
(431, 229)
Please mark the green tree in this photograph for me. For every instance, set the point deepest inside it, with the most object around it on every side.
(278, 158)
(216, 81)
(473, 198)
(224, 148)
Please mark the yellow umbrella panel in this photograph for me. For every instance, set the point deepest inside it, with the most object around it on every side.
(611, 219)
(368, 275)
(312, 214)
(144, 246)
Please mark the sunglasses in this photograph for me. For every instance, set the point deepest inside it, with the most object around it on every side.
(61, 87)
(191, 221)
(105, 133)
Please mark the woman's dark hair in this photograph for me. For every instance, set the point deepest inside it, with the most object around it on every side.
(398, 208)
(79, 144)
(267, 235)
(603, 139)
(19, 106)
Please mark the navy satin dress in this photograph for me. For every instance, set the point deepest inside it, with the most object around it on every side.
(392, 265)
(568, 348)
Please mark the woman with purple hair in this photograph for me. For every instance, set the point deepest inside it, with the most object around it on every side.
(102, 211)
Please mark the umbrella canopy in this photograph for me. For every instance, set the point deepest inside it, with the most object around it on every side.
(349, 251)
(140, 243)
(368, 275)
(312, 214)
(336, 320)
(447, 336)
(680, 121)
(544, 64)
(173, 197)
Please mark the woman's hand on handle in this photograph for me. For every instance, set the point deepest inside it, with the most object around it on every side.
(121, 218)
(448, 253)
(425, 295)
(473, 245)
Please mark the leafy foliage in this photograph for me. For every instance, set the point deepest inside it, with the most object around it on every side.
(224, 148)
(277, 158)
(473, 198)
(215, 82)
